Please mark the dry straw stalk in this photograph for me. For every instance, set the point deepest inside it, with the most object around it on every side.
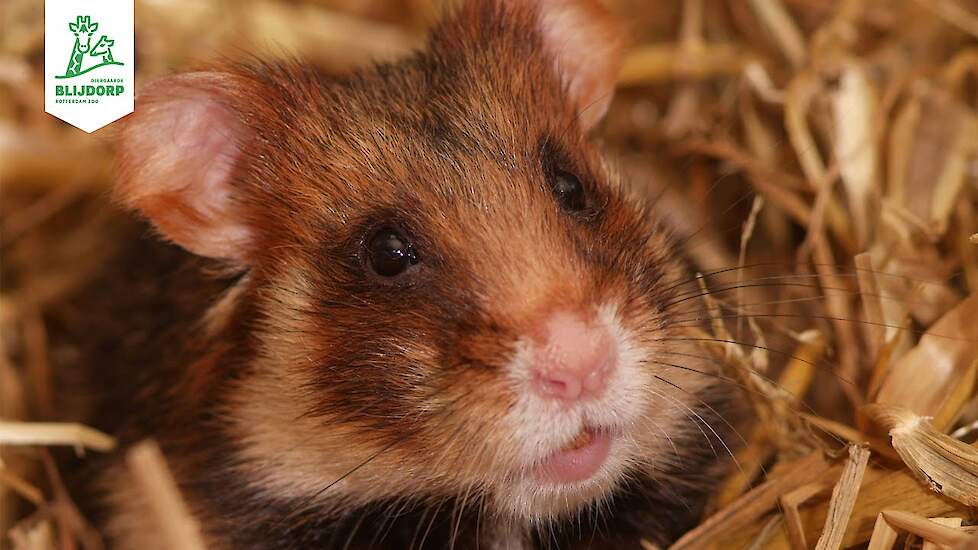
(845, 134)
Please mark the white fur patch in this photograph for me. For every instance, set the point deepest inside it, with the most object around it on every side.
(542, 426)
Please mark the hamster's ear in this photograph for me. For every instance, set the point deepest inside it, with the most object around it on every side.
(177, 156)
(587, 43)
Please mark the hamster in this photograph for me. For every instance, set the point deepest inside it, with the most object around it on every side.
(406, 307)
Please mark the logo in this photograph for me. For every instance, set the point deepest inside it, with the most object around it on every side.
(88, 61)
(83, 52)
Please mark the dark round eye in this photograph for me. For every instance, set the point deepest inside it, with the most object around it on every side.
(389, 253)
(569, 191)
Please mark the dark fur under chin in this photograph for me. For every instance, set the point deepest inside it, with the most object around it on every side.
(657, 510)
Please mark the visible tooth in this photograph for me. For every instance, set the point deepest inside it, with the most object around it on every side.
(581, 440)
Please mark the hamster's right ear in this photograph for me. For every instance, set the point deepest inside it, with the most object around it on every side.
(177, 157)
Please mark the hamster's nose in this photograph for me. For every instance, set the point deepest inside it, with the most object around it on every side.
(572, 359)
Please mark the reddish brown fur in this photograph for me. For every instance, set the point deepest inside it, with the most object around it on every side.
(311, 365)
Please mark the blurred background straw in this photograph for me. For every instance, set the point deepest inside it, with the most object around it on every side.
(829, 147)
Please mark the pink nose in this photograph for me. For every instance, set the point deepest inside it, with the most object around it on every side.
(573, 359)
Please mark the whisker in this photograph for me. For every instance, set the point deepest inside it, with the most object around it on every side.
(707, 424)
(675, 449)
(725, 305)
(694, 322)
(707, 405)
(457, 512)
(717, 376)
(393, 511)
(742, 307)
(799, 402)
(698, 427)
(303, 505)
(784, 277)
(710, 292)
(353, 532)
(301, 509)
(750, 193)
(784, 265)
(722, 419)
(755, 346)
(431, 522)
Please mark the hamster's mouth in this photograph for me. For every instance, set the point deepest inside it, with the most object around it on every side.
(579, 460)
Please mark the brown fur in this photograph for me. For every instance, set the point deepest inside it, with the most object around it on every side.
(295, 368)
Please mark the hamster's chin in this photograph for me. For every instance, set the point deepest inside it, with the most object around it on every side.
(583, 472)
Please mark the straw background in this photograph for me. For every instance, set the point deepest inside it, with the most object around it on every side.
(831, 146)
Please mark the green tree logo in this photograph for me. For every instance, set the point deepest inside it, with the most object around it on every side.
(83, 29)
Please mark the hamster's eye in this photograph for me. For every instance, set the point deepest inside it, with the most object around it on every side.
(568, 190)
(389, 253)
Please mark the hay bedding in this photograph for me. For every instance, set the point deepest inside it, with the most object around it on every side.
(828, 149)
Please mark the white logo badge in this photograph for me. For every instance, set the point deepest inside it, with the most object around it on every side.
(89, 61)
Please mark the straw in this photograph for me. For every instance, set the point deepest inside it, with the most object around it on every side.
(817, 160)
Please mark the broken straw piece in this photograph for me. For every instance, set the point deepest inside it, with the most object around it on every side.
(153, 477)
(843, 499)
(923, 527)
(947, 522)
(948, 465)
(54, 433)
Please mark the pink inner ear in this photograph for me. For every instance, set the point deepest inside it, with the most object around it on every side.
(587, 43)
(178, 155)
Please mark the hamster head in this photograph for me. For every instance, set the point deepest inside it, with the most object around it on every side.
(447, 292)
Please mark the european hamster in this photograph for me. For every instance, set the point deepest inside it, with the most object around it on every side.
(408, 306)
